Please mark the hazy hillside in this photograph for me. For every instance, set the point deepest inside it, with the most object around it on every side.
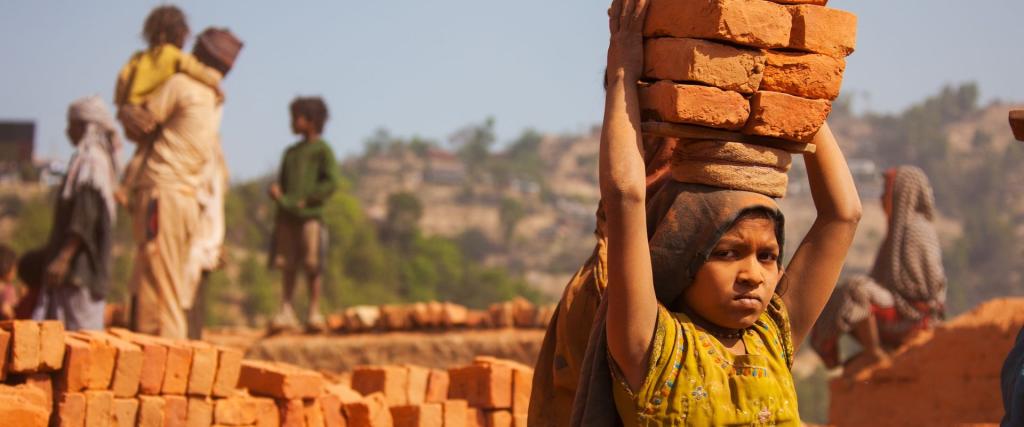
(476, 220)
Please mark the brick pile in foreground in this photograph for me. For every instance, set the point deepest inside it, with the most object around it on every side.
(121, 379)
(767, 68)
(517, 313)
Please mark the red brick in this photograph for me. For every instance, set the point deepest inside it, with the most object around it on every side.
(24, 348)
(344, 393)
(5, 347)
(824, 30)
(238, 410)
(336, 322)
(389, 380)
(437, 386)
(544, 315)
(51, 345)
(754, 23)
(520, 420)
(522, 386)
(498, 418)
(454, 315)
(151, 411)
(454, 413)
(483, 386)
(814, 2)
(42, 382)
(417, 378)
(70, 410)
(127, 364)
(330, 408)
(476, 319)
(203, 370)
(701, 61)
(786, 116)
(154, 359)
(395, 317)
(125, 412)
(18, 412)
(362, 318)
(175, 411)
(425, 415)
(30, 394)
(233, 411)
(293, 413)
(372, 411)
(475, 418)
(75, 375)
(279, 380)
(420, 314)
(522, 381)
(314, 414)
(229, 365)
(200, 412)
(267, 414)
(99, 407)
(435, 313)
(176, 371)
(690, 104)
(806, 75)
(524, 313)
(102, 358)
(502, 315)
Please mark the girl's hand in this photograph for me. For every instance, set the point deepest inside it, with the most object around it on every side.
(626, 50)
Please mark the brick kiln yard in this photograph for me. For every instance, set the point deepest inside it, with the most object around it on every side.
(949, 376)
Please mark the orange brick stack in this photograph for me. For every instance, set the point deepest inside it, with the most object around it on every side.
(761, 67)
(118, 378)
(30, 355)
(497, 391)
(518, 313)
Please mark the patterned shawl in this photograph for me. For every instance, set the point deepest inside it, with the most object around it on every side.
(909, 263)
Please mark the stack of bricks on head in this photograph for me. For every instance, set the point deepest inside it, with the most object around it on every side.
(117, 378)
(764, 68)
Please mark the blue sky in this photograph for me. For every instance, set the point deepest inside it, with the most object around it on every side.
(429, 67)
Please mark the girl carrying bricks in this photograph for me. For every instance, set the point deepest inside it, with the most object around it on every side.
(700, 320)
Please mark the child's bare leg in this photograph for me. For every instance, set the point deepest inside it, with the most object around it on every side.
(866, 333)
(285, 318)
(289, 288)
(314, 280)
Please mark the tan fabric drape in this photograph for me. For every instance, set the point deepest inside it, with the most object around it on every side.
(171, 172)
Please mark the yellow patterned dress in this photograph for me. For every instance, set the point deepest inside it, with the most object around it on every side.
(693, 380)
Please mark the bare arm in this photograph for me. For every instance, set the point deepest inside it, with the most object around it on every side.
(632, 304)
(812, 274)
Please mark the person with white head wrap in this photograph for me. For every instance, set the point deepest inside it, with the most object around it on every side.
(77, 271)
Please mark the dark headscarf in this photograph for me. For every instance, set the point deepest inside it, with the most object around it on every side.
(909, 263)
(685, 222)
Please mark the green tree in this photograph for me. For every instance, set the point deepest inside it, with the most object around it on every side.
(473, 145)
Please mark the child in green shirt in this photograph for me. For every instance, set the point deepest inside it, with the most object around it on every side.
(307, 179)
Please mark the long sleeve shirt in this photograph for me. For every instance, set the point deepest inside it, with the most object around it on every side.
(309, 176)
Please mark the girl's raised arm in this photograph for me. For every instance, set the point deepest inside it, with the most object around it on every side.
(812, 274)
(632, 304)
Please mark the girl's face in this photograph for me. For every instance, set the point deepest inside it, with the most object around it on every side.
(736, 283)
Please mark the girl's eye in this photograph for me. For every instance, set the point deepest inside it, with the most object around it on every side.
(725, 253)
(768, 257)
